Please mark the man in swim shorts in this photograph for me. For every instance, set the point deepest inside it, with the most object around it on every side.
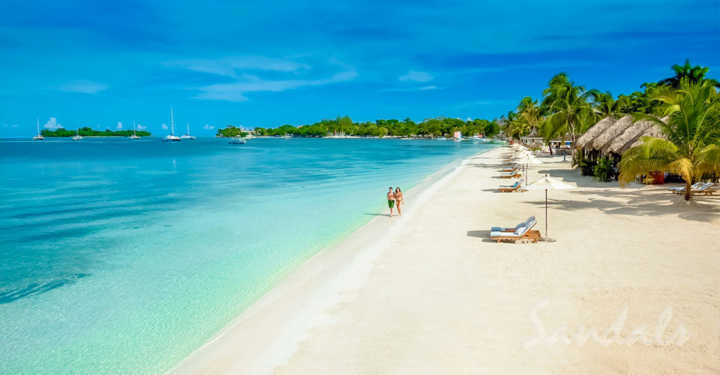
(391, 200)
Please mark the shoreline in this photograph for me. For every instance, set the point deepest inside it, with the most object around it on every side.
(352, 253)
(431, 292)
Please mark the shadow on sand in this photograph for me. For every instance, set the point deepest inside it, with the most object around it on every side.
(377, 214)
(484, 234)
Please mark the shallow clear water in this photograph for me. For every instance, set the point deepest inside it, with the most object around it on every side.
(121, 256)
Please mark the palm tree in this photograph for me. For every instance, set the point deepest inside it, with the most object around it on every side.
(694, 74)
(567, 108)
(604, 105)
(529, 113)
(693, 132)
(513, 127)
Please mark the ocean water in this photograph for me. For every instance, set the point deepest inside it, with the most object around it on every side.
(122, 257)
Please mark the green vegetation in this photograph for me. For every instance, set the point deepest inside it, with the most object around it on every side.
(692, 147)
(435, 127)
(604, 170)
(88, 132)
(689, 100)
(231, 131)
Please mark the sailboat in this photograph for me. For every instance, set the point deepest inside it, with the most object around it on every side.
(77, 136)
(134, 134)
(172, 137)
(187, 135)
(39, 136)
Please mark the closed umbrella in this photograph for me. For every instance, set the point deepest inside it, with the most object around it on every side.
(548, 183)
(530, 160)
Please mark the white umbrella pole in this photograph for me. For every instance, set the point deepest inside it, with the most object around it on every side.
(546, 220)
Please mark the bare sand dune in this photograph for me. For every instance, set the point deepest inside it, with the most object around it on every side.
(632, 286)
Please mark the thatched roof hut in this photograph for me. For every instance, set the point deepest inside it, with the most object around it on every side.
(594, 131)
(654, 131)
(612, 132)
(627, 138)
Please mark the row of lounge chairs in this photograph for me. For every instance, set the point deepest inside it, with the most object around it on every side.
(521, 233)
(706, 188)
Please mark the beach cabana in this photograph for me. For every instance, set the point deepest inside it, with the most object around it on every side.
(593, 132)
(610, 134)
(653, 131)
(627, 138)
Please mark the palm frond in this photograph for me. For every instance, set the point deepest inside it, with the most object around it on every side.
(654, 154)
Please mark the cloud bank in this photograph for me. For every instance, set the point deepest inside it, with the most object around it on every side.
(84, 87)
(416, 76)
(52, 124)
(235, 92)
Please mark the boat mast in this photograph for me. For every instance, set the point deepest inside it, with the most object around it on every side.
(172, 122)
(134, 133)
(38, 126)
(188, 128)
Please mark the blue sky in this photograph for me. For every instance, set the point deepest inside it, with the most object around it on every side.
(107, 64)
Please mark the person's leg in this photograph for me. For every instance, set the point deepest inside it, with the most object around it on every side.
(399, 209)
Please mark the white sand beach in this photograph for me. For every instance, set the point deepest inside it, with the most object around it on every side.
(429, 293)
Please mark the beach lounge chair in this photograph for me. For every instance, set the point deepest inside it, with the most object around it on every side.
(522, 234)
(510, 169)
(681, 189)
(706, 189)
(510, 188)
(515, 174)
(527, 222)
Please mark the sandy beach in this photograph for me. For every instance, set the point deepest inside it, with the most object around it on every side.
(631, 286)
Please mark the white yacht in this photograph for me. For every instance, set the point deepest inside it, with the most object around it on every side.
(134, 134)
(187, 135)
(172, 137)
(39, 136)
(237, 141)
(77, 135)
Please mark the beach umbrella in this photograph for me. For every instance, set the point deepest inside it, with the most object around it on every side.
(530, 160)
(548, 183)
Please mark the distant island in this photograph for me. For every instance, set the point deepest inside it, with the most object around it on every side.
(435, 127)
(231, 131)
(88, 132)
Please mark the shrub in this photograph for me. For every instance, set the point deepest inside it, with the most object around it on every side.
(586, 166)
(604, 170)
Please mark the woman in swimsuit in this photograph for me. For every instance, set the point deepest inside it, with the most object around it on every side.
(398, 200)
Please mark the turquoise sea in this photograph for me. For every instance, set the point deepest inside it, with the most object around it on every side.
(122, 257)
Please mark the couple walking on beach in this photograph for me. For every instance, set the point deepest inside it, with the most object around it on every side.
(395, 199)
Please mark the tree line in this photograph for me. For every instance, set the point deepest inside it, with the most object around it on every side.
(89, 132)
(435, 127)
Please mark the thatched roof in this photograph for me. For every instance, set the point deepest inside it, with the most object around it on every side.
(653, 131)
(612, 132)
(594, 131)
(627, 138)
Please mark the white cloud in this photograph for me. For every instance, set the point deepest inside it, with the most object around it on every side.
(164, 126)
(141, 127)
(84, 87)
(416, 76)
(235, 92)
(230, 66)
(119, 125)
(52, 124)
(410, 89)
(208, 127)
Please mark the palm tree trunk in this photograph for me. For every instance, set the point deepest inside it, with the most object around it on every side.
(688, 190)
